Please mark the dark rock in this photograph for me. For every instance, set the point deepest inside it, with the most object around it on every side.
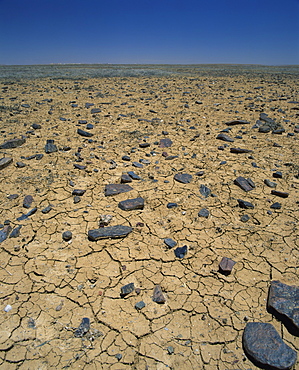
(77, 199)
(125, 158)
(225, 137)
(118, 356)
(25, 216)
(112, 232)
(278, 131)
(137, 164)
(95, 110)
(240, 150)
(83, 328)
(204, 213)
(82, 121)
(275, 205)
(127, 289)
(264, 129)
(114, 189)
(13, 143)
(47, 209)
(131, 204)
(125, 178)
(172, 205)
(170, 157)
(139, 305)
(38, 156)
(84, 133)
(170, 350)
(79, 167)
(180, 252)
(263, 344)
(27, 201)
(226, 265)
(50, 147)
(244, 218)
(13, 196)
(89, 126)
(36, 126)
(170, 242)
(67, 235)
(284, 300)
(204, 191)
(237, 122)
(4, 162)
(244, 204)
(158, 295)
(165, 143)
(79, 192)
(133, 175)
(4, 233)
(277, 175)
(20, 164)
(184, 178)
(144, 145)
(244, 184)
(270, 183)
(280, 194)
(16, 232)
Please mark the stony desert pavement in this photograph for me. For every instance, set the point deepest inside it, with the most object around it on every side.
(192, 168)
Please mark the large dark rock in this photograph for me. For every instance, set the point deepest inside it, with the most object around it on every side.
(240, 150)
(131, 204)
(114, 189)
(27, 201)
(25, 216)
(84, 133)
(184, 178)
(284, 300)
(127, 289)
(237, 122)
(112, 232)
(244, 184)
(263, 345)
(225, 137)
(244, 204)
(50, 147)
(280, 194)
(13, 143)
(4, 233)
(4, 162)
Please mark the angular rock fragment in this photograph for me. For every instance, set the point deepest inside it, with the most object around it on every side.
(240, 150)
(158, 295)
(79, 167)
(204, 213)
(269, 183)
(127, 289)
(50, 147)
(225, 137)
(46, 209)
(15, 232)
(204, 191)
(237, 122)
(170, 242)
(4, 162)
(133, 175)
(83, 328)
(105, 220)
(184, 178)
(113, 232)
(20, 164)
(244, 184)
(13, 143)
(79, 192)
(277, 174)
(144, 145)
(284, 300)
(25, 216)
(131, 204)
(276, 205)
(165, 143)
(139, 305)
(226, 265)
(84, 133)
(114, 189)
(125, 178)
(95, 110)
(180, 252)
(263, 344)
(27, 201)
(280, 194)
(4, 233)
(244, 204)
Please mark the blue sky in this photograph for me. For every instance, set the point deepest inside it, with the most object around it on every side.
(149, 31)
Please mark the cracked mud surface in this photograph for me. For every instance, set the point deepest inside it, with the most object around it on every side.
(52, 284)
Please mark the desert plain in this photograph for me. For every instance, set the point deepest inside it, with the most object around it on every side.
(157, 133)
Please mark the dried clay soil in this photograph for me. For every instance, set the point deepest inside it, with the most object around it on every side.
(48, 285)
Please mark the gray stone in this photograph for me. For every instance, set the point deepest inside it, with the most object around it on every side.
(25, 216)
(131, 204)
(244, 184)
(204, 191)
(114, 189)
(67, 235)
(112, 232)
(13, 143)
(127, 289)
(15, 232)
(263, 344)
(244, 204)
(165, 143)
(226, 265)
(269, 183)
(240, 150)
(280, 194)
(4, 162)
(184, 178)
(4, 233)
(79, 192)
(158, 295)
(225, 137)
(50, 147)
(276, 205)
(170, 242)
(83, 328)
(237, 122)
(84, 133)
(180, 252)
(139, 305)
(244, 218)
(27, 201)
(204, 213)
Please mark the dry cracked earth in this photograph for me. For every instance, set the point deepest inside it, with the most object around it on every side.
(48, 284)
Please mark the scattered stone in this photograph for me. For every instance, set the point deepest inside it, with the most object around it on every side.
(47, 209)
(133, 175)
(226, 265)
(118, 356)
(77, 199)
(263, 344)
(244, 204)
(137, 164)
(50, 147)
(204, 191)
(4, 162)
(112, 232)
(275, 205)
(25, 216)
(270, 183)
(237, 122)
(13, 143)
(225, 137)
(127, 289)
(79, 192)
(144, 145)
(171, 205)
(125, 178)
(240, 150)
(67, 235)
(204, 213)
(158, 295)
(36, 126)
(284, 300)
(15, 232)
(79, 167)
(244, 218)
(180, 252)
(114, 189)
(27, 201)
(244, 184)
(105, 220)
(165, 143)
(131, 204)
(280, 194)
(95, 110)
(170, 350)
(13, 196)
(183, 178)
(4, 233)
(139, 305)
(83, 328)
(126, 158)
(84, 133)
(20, 164)
(277, 174)
(170, 242)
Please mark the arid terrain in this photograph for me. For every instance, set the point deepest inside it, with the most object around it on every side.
(156, 131)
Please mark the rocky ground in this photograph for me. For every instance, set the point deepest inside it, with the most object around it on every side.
(144, 219)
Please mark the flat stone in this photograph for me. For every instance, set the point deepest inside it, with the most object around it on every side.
(204, 191)
(79, 192)
(244, 204)
(170, 242)
(113, 232)
(13, 143)
(237, 122)
(276, 205)
(139, 305)
(20, 164)
(183, 178)
(114, 189)
(125, 178)
(4, 162)
(263, 344)
(46, 209)
(27, 201)
(95, 110)
(133, 175)
(240, 150)
(180, 252)
(144, 145)
(131, 204)
(50, 147)
(13, 196)
(226, 265)
(165, 143)
(269, 183)
(127, 289)
(244, 184)
(280, 194)
(284, 300)
(79, 166)
(4, 233)
(25, 216)
(137, 164)
(84, 133)
(83, 328)
(225, 137)
(158, 295)
(15, 232)
(204, 213)
(277, 174)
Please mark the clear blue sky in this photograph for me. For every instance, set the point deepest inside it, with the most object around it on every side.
(149, 31)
